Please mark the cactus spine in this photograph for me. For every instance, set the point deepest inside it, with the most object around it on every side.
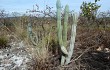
(62, 33)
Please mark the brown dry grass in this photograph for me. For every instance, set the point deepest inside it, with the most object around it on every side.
(91, 50)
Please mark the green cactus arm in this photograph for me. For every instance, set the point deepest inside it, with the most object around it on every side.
(60, 35)
(64, 50)
(66, 12)
(29, 29)
(59, 26)
(30, 34)
(72, 41)
(58, 6)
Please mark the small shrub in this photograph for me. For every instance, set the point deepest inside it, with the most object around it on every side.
(89, 10)
(3, 42)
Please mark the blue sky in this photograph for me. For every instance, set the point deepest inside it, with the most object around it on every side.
(23, 5)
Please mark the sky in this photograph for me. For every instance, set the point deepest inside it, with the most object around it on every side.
(23, 5)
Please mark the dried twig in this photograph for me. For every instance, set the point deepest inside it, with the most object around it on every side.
(81, 54)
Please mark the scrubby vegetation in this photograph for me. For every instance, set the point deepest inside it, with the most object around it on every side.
(54, 40)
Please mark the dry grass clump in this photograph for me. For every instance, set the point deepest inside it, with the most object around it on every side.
(45, 53)
(40, 55)
(20, 32)
(4, 39)
(3, 42)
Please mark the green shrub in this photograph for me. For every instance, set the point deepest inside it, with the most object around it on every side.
(89, 10)
(3, 42)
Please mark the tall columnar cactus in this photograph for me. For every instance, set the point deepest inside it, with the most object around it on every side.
(59, 27)
(30, 34)
(62, 33)
(62, 38)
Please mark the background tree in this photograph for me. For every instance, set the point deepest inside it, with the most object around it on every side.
(3, 15)
(89, 10)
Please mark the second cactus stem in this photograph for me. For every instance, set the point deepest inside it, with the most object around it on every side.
(30, 35)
